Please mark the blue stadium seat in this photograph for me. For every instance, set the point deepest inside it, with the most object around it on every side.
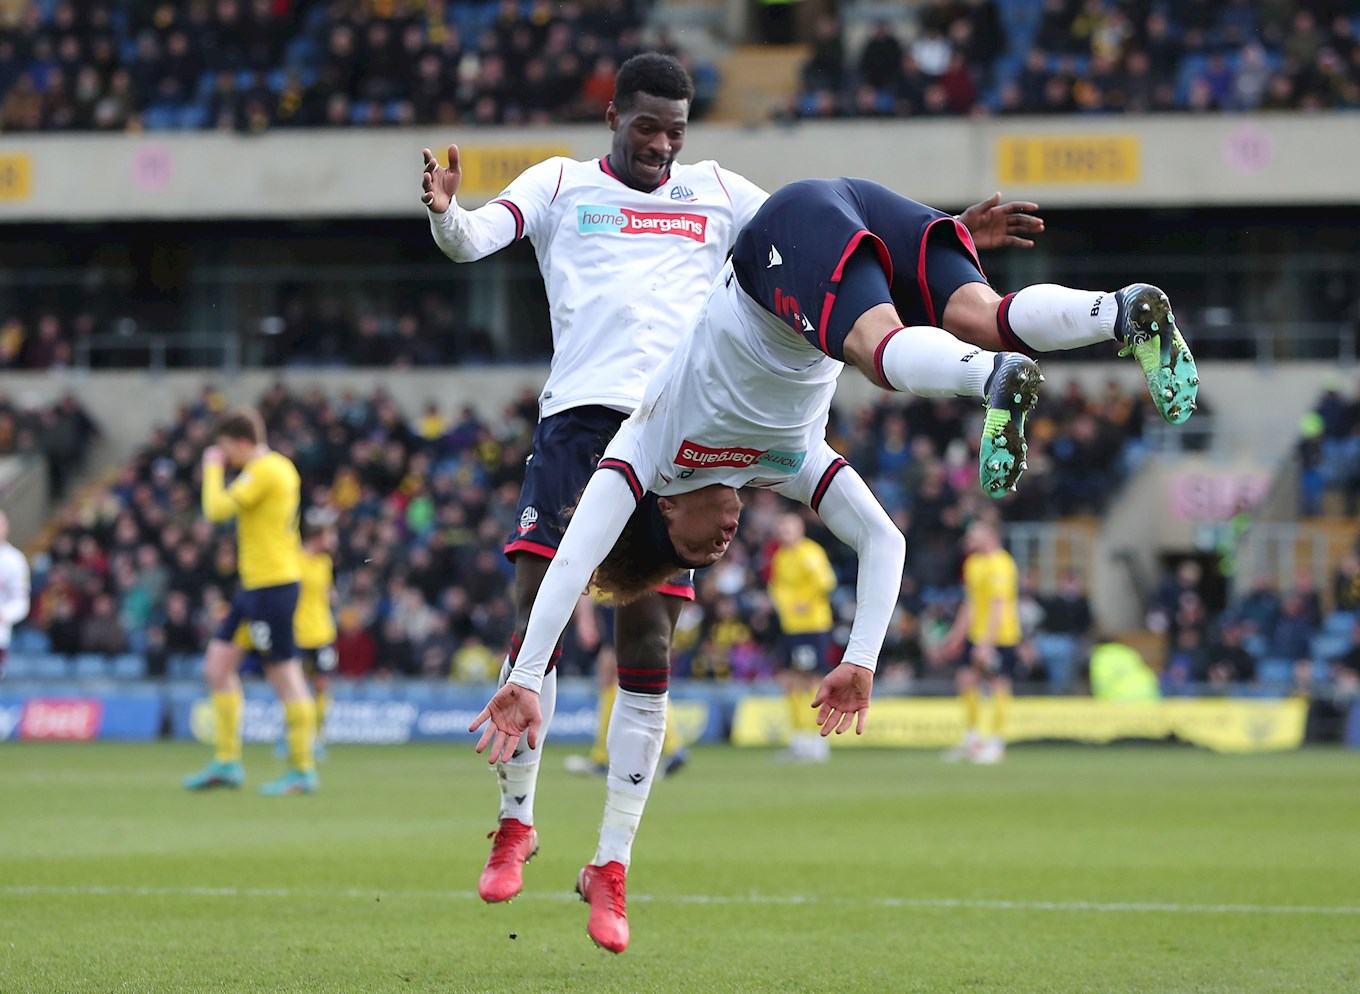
(184, 668)
(207, 83)
(1339, 623)
(1329, 645)
(193, 117)
(160, 117)
(89, 665)
(1276, 672)
(28, 639)
(48, 666)
(128, 667)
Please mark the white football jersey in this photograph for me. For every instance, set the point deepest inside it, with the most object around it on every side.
(14, 590)
(743, 401)
(625, 271)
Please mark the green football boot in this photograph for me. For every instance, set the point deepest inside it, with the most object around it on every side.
(1012, 392)
(292, 782)
(1148, 330)
(217, 774)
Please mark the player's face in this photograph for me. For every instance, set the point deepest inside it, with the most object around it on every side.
(702, 523)
(237, 450)
(647, 139)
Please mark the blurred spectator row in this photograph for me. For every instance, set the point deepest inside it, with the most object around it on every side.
(423, 507)
(311, 330)
(958, 57)
(249, 65)
(1265, 637)
(61, 434)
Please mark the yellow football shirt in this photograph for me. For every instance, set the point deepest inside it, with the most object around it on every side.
(313, 623)
(988, 577)
(801, 584)
(264, 501)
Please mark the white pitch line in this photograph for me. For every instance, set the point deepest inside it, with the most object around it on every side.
(943, 903)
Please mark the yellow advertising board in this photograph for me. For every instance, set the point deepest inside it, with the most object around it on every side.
(490, 168)
(1223, 725)
(16, 177)
(1069, 160)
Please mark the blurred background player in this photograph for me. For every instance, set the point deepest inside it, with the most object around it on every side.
(15, 589)
(263, 498)
(614, 318)
(314, 623)
(987, 632)
(801, 583)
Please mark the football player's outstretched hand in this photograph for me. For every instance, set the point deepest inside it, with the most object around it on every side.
(844, 697)
(511, 713)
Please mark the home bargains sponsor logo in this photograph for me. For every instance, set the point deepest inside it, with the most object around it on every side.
(697, 456)
(61, 718)
(593, 217)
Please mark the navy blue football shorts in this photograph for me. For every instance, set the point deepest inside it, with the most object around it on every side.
(819, 253)
(567, 446)
(1005, 658)
(805, 653)
(261, 622)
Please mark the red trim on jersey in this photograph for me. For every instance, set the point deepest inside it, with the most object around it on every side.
(676, 590)
(966, 237)
(523, 545)
(878, 358)
(884, 259)
(1004, 330)
(519, 216)
(825, 482)
(608, 170)
(561, 169)
(629, 474)
(718, 174)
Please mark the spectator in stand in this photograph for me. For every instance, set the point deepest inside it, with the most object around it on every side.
(1065, 625)
(1226, 662)
(882, 55)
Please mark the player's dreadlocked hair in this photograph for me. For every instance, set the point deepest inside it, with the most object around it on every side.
(642, 559)
(654, 73)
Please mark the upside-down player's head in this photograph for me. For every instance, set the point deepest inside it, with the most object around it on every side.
(648, 115)
(240, 436)
(666, 535)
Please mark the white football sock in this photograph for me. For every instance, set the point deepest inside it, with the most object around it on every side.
(518, 776)
(1052, 318)
(930, 362)
(636, 730)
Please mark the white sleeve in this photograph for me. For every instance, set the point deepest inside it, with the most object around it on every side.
(747, 198)
(15, 608)
(606, 505)
(519, 212)
(856, 517)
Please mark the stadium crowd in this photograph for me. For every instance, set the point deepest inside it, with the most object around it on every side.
(61, 434)
(423, 506)
(251, 65)
(1088, 57)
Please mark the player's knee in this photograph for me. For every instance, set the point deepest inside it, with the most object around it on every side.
(645, 650)
(971, 316)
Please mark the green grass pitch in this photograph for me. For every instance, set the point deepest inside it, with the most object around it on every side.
(1149, 869)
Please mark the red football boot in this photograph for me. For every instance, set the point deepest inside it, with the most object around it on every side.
(514, 844)
(602, 887)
